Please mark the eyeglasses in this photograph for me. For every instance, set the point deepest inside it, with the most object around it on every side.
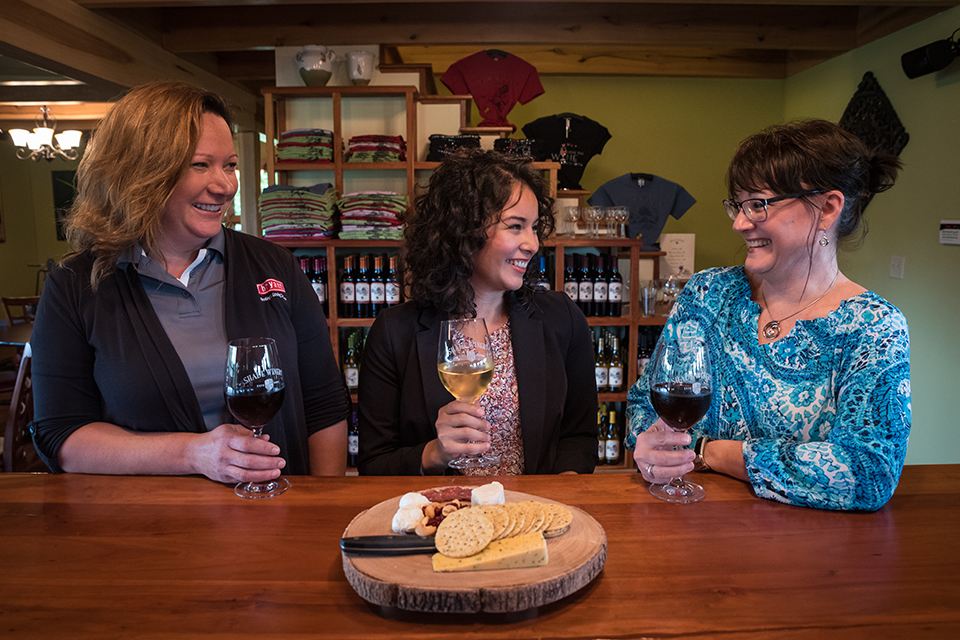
(756, 208)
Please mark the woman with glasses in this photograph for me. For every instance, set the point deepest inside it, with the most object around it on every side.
(811, 398)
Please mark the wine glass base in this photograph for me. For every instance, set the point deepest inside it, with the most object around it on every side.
(475, 462)
(262, 489)
(682, 493)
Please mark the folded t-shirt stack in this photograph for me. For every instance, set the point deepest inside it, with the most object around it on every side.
(442, 145)
(305, 145)
(372, 215)
(298, 212)
(374, 148)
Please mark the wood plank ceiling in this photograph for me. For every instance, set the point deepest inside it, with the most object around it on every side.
(233, 40)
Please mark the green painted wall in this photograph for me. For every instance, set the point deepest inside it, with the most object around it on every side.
(26, 197)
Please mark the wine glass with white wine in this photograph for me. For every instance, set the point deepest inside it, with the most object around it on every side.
(465, 364)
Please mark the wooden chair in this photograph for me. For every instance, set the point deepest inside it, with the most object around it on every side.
(19, 453)
(21, 310)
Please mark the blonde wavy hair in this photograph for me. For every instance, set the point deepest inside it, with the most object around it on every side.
(138, 154)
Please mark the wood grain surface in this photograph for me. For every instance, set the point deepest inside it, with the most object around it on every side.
(154, 557)
(410, 583)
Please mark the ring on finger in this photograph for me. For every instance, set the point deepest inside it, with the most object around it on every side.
(650, 470)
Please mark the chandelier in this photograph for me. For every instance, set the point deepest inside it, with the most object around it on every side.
(43, 143)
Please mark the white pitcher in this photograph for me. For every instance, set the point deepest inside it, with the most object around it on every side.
(316, 64)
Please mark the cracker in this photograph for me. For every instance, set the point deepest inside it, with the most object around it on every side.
(518, 517)
(498, 515)
(463, 533)
(533, 515)
(562, 517)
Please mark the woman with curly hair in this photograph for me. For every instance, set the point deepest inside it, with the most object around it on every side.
(130, 341)
(470, 250)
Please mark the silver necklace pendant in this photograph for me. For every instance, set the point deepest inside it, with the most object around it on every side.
(771, 330)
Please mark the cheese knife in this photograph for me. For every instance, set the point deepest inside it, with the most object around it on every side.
(399, 545)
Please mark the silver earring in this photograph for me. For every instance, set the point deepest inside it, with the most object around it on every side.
(824, 240)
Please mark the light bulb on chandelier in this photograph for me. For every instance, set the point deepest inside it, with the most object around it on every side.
(43, 143)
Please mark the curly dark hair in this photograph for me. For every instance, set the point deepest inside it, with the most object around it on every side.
(465, 196)
(810, 155)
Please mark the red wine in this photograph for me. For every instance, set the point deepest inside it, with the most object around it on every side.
(255, 409)
(678, 405)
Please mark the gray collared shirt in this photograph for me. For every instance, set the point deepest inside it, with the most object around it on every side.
(191, 310)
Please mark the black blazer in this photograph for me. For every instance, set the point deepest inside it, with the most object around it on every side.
(401, 393)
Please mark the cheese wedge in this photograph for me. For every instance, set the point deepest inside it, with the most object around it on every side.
(491, 493)
(527, 550)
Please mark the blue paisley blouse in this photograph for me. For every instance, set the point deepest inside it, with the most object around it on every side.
(824, 412)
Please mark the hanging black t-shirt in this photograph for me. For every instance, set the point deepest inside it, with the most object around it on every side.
(570, 140)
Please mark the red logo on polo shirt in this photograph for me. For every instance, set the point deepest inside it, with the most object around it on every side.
(270, 285)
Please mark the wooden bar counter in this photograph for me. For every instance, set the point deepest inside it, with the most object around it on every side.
(151, 557)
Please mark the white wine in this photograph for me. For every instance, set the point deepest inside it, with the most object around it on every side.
(464, 381)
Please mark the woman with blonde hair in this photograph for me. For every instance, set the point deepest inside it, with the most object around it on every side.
(131, 335)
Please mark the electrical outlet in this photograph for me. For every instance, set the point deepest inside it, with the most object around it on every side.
(897, 263)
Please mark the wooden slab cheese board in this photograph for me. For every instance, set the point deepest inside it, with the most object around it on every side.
(409, 582)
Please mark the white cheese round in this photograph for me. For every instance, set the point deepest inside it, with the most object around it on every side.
(406, 519)
(487, 494)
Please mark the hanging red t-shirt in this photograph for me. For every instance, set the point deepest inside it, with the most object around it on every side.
(496, 83)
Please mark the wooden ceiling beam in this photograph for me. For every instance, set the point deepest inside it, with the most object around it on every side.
(82, 44)
(674, 25)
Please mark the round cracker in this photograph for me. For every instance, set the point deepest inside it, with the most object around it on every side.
(498, 515)
(463, 533)
(562, 517)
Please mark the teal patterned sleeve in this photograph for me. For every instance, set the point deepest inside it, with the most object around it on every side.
(823, 412)
(857, 463)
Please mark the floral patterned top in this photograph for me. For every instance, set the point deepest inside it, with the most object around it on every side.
(824, 412)
(501, 406)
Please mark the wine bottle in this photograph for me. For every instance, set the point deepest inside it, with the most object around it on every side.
(570, 286)
(614, 289)
(615, 367)
(378, 294)
(601, 368)
(351, 365)
(392, 286)
(348, 299)
(319, 283)
(353, 440)
(600, 287)
(543, 278)
(363, 288)
(601, 437)
(644, 352)
(585, 299)
(612, 439)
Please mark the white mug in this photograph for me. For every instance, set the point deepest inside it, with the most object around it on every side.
(360, 67)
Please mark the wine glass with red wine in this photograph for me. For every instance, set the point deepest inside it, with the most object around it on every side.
(681, 389)
(254, 392)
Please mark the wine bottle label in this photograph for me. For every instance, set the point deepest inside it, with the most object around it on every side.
(353, 444)
(347, 292)
(363, 292)
(393, 293)
(615, 377)
(318, 289)
(615, 292)
(599, 291)
(601, 373)
(586, 291)
(572, 290)
(543, 285)
(601, 450)
(642, 363)
(352, 374)
(613, 450)
(377, 293)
